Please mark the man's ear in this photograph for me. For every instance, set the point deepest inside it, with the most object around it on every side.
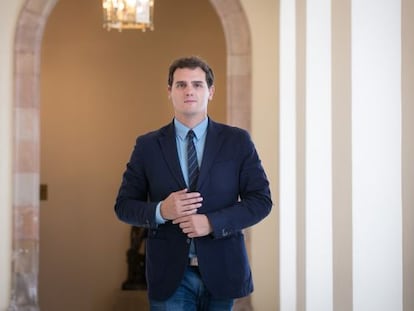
(169, 91)
(211, 90)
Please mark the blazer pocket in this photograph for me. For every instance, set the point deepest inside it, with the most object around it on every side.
(156, 234)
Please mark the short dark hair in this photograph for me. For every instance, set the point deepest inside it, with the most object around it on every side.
(191, 62)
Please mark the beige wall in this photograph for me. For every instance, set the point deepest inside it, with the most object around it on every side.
(99, 90)
(263, 22)
(408, 151)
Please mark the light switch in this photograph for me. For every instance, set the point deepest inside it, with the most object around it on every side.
(43, 192)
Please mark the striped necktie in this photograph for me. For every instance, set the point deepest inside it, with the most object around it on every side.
(192, 162)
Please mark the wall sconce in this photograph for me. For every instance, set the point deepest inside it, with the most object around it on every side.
(128, 14)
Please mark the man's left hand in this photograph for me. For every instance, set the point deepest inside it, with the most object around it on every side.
(196, 225)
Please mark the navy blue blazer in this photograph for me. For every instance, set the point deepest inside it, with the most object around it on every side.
(235, 193)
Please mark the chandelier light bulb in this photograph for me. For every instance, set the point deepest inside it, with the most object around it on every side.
(128, 14)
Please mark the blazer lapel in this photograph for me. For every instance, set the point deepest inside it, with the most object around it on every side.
(168, 147)
(213, 144)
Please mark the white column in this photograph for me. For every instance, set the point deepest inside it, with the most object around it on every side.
(376, 155)
(287, 167)
(319, 292)
(372, 161)
(317, 172)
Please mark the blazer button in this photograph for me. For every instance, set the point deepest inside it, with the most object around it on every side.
(188, 241)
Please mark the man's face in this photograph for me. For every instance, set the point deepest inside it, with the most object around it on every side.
(190, 93)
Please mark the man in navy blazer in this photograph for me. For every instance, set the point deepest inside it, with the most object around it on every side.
(195, 253)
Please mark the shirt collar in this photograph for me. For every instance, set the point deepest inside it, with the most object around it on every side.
(181, 130)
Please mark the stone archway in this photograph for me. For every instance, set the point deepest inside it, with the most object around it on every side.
(26, 114)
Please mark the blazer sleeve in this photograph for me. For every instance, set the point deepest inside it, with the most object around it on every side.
(132, 205)
(254, 202)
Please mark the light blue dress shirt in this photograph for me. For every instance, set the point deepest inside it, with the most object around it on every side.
(181, 131)
(199, 139)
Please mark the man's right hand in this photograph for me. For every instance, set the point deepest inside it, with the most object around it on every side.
(180, 203)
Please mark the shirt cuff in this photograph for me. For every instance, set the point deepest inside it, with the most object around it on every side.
(158, 218)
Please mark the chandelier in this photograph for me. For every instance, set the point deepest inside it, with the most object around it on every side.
(128, 14)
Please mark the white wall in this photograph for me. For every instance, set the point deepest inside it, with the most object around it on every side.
(8, 16)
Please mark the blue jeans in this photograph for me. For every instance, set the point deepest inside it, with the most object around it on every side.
(191, 295)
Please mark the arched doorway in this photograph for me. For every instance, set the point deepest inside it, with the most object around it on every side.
(26, 109)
